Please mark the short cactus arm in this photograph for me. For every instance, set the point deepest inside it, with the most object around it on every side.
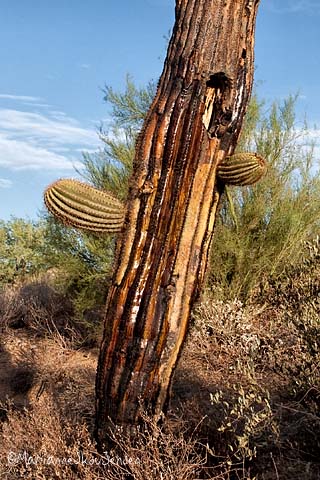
(242, 169)
(82, 206)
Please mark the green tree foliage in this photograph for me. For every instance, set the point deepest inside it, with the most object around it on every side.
(272, 219)
(21, 244)
(111, 166)
(80, 265)
(83, 263)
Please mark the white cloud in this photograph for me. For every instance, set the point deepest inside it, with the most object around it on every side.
(21, 155)
(5, 183)
(43, 128)
(34, 104)
(42, 141)
(311, 135)
(20, 98)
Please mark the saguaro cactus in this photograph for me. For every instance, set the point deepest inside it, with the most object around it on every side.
(192, 126)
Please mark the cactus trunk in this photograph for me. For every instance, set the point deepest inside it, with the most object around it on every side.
(193, 123)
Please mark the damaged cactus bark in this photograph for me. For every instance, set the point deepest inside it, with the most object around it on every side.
(192, 126)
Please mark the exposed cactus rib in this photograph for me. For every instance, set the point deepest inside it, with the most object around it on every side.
(82, 206)
(242, 169)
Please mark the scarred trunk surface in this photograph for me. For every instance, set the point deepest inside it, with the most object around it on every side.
(194, 121)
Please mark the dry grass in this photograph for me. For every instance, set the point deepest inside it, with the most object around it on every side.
(48, 422)
(46, 416)
(247, 389)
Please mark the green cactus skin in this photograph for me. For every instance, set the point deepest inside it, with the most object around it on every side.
(82, 206)
(242, 169)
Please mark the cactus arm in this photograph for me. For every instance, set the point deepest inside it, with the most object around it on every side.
(82, 206)
(242, 169)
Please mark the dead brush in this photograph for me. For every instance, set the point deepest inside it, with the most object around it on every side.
(10, 309)
(46, 444)
(296, 297)
(264, 360)
(155, 451)
(42, 322)
(228, 324)
(41, 310)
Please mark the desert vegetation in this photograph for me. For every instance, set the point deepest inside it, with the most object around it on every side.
(246, 393)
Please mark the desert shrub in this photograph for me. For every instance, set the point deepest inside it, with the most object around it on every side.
(259, 364)
(21, 244)
(41, 310)
(81, 264)
(276, 215)
(246, 420)
(296, 295)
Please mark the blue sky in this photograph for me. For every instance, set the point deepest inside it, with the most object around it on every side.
(56, 57)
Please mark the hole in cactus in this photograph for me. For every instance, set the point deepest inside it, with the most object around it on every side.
(219, 81)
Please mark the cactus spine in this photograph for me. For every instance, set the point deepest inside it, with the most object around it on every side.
(242, 169)
(82, 206)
